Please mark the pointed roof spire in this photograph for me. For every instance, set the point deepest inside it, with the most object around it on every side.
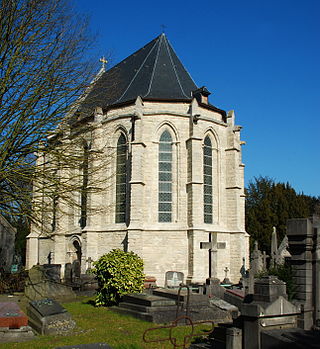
(153, 72)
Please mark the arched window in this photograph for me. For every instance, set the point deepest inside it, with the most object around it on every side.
(165, 177)
(121, 179)
(207, 181)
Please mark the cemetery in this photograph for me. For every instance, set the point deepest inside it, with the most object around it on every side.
(126, 219)
(255, 312)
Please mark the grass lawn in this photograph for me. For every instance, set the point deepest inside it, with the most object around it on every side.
(96, 325)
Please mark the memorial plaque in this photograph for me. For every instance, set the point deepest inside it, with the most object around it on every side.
(47, 307)
(12, 316)
(174, 278)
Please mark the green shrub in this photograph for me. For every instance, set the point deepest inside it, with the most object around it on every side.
(118, 273)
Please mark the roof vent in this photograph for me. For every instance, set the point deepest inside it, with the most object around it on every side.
(201, 95)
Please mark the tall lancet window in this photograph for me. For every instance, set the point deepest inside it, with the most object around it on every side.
(165, 177)
(121, 179)
(84, 185)
(207, 181)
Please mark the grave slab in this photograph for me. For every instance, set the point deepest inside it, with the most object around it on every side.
(47, 316)
(21, 334)
(12, 316)
(148, 300)
(87, 346)
(48, 306)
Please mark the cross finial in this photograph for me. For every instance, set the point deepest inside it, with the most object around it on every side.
(163, 28)
(104, 62)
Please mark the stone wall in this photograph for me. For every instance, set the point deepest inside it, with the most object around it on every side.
(174, 245)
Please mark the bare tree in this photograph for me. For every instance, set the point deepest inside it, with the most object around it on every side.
(42, 72)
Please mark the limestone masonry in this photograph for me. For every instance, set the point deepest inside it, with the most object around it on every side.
(174, 179)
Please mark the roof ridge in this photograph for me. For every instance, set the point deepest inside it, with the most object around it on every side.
(180, 61)
(174, 69)
(154, 66)
(147, 56)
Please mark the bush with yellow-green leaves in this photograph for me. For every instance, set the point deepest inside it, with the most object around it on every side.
(118, 273)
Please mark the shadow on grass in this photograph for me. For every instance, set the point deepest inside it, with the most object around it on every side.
(90, 302)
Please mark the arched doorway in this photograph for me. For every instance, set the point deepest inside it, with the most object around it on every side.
(73, 268)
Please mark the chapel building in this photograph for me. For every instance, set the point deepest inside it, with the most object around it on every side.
(174, 182)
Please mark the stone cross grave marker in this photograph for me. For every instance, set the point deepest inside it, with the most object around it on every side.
(89, 261)
(174, 278)
(212, 245)
(226, 279)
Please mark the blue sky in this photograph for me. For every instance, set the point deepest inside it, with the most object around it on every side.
(260, 58)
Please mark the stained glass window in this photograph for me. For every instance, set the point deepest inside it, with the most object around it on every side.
(207, 181)
(165, 178)
(121, 179)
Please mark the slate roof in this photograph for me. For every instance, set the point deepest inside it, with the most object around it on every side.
(153, 72)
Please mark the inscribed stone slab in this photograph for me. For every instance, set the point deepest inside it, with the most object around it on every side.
(48, 307)
(11, 316)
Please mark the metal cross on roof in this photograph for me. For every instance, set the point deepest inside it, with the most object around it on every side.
(103, 61)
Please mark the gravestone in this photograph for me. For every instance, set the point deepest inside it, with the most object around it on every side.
(39, 285)
(278, 253)
(165, 305)
(226, 280)
(213, 246)
(268, 309)
(12, 316)
(173, 279)
(13, 323)
(68, 273)
(46, 316)
(76, 269)
(89, 263)
(52, 271)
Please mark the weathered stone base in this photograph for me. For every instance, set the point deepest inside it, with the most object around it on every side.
(161, 307)
(21, 334)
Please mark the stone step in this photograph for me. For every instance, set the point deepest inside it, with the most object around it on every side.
(136, 314)
(148, 300)
(157, 317)
(146, 309)
(195, 299)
